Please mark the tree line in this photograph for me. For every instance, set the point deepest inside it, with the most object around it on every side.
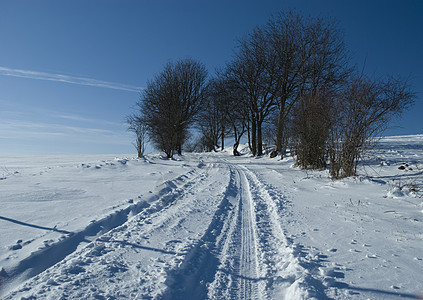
(289, 85)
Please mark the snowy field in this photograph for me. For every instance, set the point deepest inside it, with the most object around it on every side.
(211, 226)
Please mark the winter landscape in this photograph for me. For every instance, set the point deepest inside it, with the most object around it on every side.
(211, 149)
(212, 226)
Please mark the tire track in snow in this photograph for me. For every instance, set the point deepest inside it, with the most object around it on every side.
(189, 280)
(240, 274)
(194, 242)
(287, 278)
(231, 235)
(112, 226)
(257, 261)
(249, 279)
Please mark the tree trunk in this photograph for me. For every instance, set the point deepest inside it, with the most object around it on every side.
(259, 139)
(249, 136)
(280, 128)
(140, 147)
(235, 152)
(254, 137)
(169, 153)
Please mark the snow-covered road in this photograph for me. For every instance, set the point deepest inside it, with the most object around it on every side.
(206, 226)
(211, 233)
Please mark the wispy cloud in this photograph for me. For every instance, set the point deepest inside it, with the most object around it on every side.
(41, 131)
(67, 79)
(78, 118)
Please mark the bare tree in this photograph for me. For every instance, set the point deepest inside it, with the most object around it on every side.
(365, 108)
(236, 109)
(209, 123)
(137, 125)
(311, 61)
(253, 72)
(214, 121)
(171, 102)
(310, 131)
(285, 32)
(324, 72)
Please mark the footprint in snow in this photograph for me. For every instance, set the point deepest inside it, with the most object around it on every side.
(75, 269)
(17, 246)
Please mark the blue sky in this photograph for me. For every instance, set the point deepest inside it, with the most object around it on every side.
(71, 71)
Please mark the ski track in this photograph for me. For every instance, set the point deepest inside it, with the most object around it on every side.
(245, 249)
(213, 233)
(239, 274)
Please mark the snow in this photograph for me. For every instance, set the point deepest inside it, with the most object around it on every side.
(211, 226)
